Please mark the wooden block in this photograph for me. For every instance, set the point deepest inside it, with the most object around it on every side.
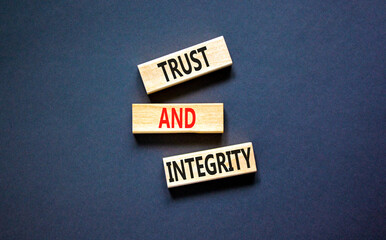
(209, 165)
(178, 118)
(184, 65)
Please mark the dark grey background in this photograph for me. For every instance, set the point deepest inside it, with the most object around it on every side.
(307, 87)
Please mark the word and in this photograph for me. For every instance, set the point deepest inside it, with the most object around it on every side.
(178, 118)
(174, 116)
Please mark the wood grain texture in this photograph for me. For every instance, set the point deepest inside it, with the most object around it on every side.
(216, 54)
(209, 118)
(232, 160)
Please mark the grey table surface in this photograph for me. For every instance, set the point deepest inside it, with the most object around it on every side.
(307, 87)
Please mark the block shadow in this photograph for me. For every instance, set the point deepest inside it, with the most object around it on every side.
(187, 87)
(215, 185)
(178, 139)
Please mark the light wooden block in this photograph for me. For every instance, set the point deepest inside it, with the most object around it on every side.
(178, 118)
(174, 68)
(209, 165)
